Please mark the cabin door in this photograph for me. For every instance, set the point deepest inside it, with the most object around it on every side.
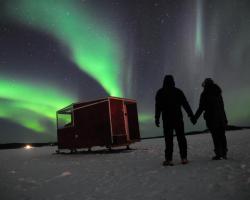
(132, 121)
(125, 112)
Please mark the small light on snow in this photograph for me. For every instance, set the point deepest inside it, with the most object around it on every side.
(67, 173)
(28, 146)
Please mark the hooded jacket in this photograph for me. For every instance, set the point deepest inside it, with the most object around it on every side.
(169, 101)
(211, 102)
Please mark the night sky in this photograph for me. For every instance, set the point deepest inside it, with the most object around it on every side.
(56, 52)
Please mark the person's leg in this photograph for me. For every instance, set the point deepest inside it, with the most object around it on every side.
(216, 140)
(223, 142)
(168, 135)
(182, 142)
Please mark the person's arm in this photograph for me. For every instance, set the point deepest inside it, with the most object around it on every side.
(201, 107)
(158, 109)
(186, 106)
(188, 109)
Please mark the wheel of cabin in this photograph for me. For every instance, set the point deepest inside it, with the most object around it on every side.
(128, 147)
(73, 151)
(109, 148)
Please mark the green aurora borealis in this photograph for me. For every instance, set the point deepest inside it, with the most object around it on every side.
(198, 32)
(94, 50)
(29, 105)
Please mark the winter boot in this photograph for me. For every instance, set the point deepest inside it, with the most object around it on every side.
(168, 163)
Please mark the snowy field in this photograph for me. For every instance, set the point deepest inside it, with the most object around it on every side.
(136, 174)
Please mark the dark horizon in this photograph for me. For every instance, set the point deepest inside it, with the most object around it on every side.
(17, 145)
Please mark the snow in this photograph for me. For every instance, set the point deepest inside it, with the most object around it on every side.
(39, 173)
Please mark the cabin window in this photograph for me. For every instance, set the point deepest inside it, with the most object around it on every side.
(64, 120)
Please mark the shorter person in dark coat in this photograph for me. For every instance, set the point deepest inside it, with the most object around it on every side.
(211, 102)
(168, 102)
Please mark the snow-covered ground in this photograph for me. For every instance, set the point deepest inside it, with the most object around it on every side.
(137, 174)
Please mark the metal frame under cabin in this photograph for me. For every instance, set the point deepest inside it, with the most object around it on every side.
(109, 122)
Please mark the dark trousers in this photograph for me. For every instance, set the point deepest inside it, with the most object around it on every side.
(169, 128)
(219, 140)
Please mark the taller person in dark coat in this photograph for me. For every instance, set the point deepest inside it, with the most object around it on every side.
(168, 102)
(211, 102)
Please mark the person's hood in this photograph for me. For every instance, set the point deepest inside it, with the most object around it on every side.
(213, 89)
(168, 82)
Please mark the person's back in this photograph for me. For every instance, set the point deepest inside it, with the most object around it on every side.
(169, 100)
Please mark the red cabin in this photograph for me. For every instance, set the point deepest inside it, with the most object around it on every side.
(106, 122)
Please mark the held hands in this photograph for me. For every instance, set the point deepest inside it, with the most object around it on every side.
(193, 120)
(157, 122)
